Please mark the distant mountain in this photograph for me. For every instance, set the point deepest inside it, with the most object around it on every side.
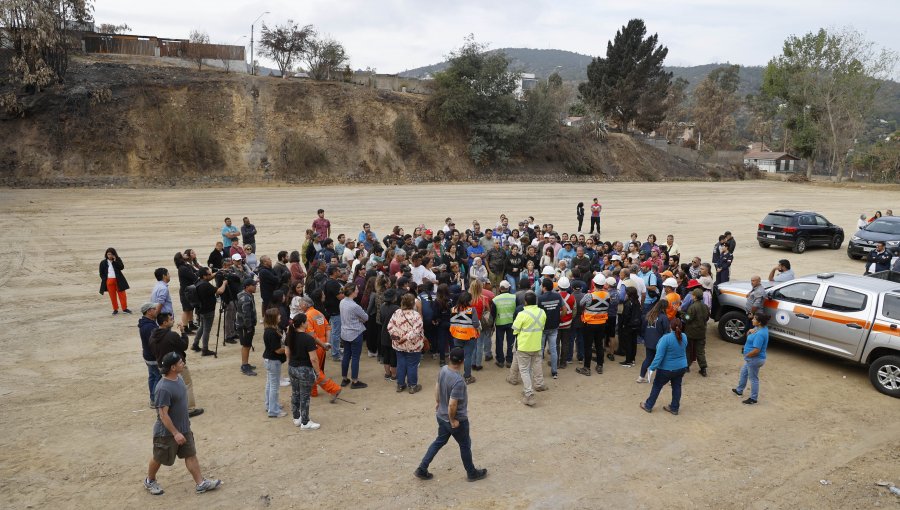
(573, 67)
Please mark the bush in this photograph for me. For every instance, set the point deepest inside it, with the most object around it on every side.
(348, 126)
(187, 140)
(798, 177)
(404, 136)
(299, 155)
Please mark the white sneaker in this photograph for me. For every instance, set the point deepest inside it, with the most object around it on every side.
(298, 421)
(285, 381)
(642, 380)
(310, 425)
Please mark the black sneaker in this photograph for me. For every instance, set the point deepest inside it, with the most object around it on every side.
(599, 369)
(125, 310)
(499, 363)
(246, 370)
(207, 352)
(477, 367)
(736, 392)
(703, 372)
(478, 475)
(489, 357)
(345, 382)
(423, 474)
(610, 357)
(115, 312)
(196, 348)
(197, 411)
(231, 340)
(749, 401)
(358, 385)
(387, 377)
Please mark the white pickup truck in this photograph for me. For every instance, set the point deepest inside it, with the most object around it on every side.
(849, 316)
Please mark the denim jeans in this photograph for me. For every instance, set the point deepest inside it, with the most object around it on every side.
(483, 346)
(408, 368)
(206, 323)
(352, 351)
(549, 337)
(578, 333)
(153, 377)
(512, 283)
(302, 381)
(505, 331)
(273, 382)
(335, 339)
(461, 434)
(469, 350)
(751, 370)
(648, 358)
(659, 380)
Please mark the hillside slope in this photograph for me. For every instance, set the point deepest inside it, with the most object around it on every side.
(164, 125)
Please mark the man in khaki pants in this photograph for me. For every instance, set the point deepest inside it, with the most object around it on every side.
(529, 329)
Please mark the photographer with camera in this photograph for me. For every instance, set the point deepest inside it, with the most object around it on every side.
(234, 278)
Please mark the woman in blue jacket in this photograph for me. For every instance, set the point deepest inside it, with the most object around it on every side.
(754, 357)
(669, 364)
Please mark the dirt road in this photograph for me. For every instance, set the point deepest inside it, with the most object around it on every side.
(73, 397)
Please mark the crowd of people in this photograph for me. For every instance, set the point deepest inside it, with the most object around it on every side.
(515, 294)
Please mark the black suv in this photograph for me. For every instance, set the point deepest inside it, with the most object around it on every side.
(885, 229)
(798, 230)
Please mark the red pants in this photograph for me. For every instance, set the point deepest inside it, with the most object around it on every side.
(327, 384)
(116, 295)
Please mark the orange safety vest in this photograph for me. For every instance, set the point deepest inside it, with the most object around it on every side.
(463, 325)
(598, 310)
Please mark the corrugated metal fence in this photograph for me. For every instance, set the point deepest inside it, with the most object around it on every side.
(108, 44)
(125, 45)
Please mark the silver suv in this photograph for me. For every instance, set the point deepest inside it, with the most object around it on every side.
(848, 316)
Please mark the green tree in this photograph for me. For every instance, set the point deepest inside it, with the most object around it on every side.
(630, 85)
(285, 44)
(324, 58)
(676, 108)
(827, 81)
(540, 114)
(715, 104)
(474, 95)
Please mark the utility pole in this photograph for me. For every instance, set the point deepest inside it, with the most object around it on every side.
(252, 66)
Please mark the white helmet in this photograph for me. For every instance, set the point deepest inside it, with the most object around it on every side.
(548, 271)
(670, 282)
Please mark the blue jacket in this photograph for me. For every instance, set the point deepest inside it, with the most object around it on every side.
(670, 355)
(653, 332)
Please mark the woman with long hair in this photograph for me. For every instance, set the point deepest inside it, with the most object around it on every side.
(298, 274)
(353, 325)
(300, 349)
(653, 327)
(273, 358)
(407, 338)
(548, 259)
(579, 214)
(669, 365)
(376, 300)
(113, 281)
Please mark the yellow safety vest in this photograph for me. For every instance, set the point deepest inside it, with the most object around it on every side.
(529, 328)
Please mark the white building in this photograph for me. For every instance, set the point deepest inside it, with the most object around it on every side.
(771, 162)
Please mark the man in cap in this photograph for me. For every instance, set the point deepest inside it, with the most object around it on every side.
(503, 308)
(245, 323)
(163, 341)
(528, 327)
(146, 325)
(554, 307)
(785, 273)
(651, 283)
(669, 294)
(695, 319)
(451, 409)
(172, 436)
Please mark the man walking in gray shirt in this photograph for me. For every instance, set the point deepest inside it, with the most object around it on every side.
(172, 436)
(451, 399)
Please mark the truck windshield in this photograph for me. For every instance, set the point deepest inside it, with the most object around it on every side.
(884, 227)
(777, 220)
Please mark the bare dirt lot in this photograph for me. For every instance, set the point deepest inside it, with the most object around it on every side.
(76, 430)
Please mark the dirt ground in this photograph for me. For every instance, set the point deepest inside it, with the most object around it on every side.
(76, 430)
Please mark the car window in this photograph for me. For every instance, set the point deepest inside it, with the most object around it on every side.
(822, 222)
(806, 220)
(777, 220)
(891, 307)
(884, 227)
(802, 293)
(844, 300)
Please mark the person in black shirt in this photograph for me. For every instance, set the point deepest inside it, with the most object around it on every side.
(207, 310)
(186, 276)
(333, 296)
(248, 233)
(217, 257)
(302, 366)
(273, 358)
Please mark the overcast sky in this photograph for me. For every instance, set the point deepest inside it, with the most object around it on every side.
(395, 35)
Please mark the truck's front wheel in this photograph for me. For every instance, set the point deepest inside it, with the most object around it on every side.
(733, 327)
(884, 373)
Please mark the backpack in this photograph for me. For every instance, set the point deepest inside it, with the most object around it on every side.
(192, 296)
(487, 320)
(427, 307)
